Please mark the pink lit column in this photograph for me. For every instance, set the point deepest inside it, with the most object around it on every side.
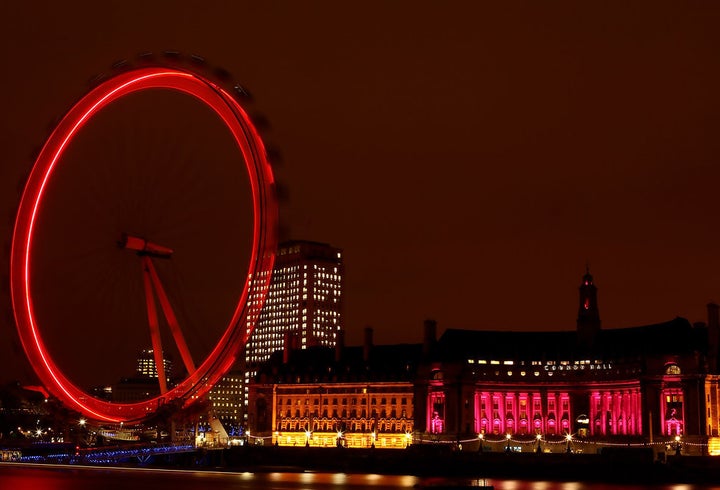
(513, 401)
(428, 413)
(605, 409)
(661, 410)
(485, 414)
(593, 411)
(501, 410)
(637, 412)
(616, 403)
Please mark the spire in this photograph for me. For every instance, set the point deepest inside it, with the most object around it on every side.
(588, 320)
(587, 278)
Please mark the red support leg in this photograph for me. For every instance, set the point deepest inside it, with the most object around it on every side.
(171, 319)
(154, 327)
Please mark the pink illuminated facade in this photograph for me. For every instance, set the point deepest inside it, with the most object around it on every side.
(542, 401)
(616, 384)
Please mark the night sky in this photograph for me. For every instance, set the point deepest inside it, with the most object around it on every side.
(470, 158)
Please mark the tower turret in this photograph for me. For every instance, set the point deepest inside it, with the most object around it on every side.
(588, 320)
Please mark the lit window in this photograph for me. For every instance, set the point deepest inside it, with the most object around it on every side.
(673, 369)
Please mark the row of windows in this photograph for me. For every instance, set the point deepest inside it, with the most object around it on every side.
(381, 426)
(583, 362)
(287, 311)
(344, 401)
(345, 413)
(288, 295)
(333, 390)
(553, 371)
(219, 393)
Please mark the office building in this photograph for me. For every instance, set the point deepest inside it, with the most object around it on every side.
(304, 305)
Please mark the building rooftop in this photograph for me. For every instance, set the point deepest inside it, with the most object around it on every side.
(676, 336)
(318, 364)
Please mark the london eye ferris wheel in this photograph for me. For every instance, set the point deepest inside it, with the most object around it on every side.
(148, 219)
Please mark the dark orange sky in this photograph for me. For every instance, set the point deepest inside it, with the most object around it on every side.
(469, 158)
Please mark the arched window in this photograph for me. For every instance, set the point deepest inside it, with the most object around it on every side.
(672, 369)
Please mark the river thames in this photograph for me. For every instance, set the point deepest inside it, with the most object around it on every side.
(18, 476)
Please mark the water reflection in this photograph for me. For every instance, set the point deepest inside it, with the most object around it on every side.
(547, 485)
(59, 477)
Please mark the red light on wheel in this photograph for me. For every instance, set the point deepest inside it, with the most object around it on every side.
(250, 148)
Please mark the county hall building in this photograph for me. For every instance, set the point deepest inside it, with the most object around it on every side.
(651, 384)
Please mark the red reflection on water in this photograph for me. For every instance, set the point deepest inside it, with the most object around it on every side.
(59, 477)
(35, 479)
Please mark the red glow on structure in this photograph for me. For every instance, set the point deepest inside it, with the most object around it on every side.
(149, 270)
(614, 410)
(264, 239)
(672, 411)
(436, 413)
(144, 247)
(154, 327)
(39, 389)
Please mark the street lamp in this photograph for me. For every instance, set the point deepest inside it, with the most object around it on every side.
(307, 438)
(481, 439)
(507, 447)
(677, 445)
(568, 439)
(538, 438)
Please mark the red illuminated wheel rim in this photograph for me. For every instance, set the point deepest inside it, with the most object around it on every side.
(250, 149)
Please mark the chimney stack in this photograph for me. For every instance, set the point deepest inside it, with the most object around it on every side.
(713, 329)
(287, 346)
(429, 336)
(339, 345)
(367, 345)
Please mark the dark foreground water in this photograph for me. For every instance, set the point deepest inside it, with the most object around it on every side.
(58, 477)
